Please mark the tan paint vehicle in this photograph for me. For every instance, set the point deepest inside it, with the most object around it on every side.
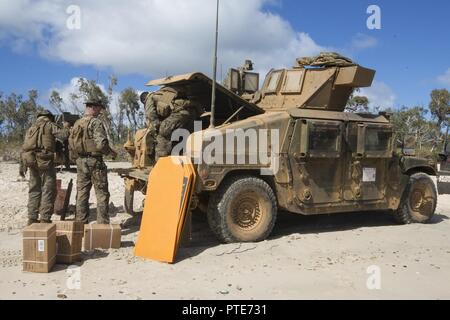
(326, 161)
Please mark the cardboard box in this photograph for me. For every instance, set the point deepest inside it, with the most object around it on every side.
(69, 239)
(102, 236)
(39, 248)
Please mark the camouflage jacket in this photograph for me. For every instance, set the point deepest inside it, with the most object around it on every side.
(97, 132)
(57, 132)
(42, 135)
(151, 114)
(161, 104)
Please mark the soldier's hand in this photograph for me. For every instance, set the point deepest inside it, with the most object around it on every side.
(66, 124)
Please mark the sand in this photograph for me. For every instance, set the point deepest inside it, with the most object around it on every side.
(322, 257)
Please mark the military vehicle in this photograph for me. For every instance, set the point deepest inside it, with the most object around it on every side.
(322, 160)
(444, 168)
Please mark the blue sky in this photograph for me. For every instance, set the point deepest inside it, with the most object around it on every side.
(413, 47)
(410, 53)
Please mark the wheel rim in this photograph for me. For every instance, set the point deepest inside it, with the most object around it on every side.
(247, 211)
(421, 199)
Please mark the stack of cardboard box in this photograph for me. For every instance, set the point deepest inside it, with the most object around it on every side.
(102, 236)
(44, 245)
(39, 248)
(69, 238)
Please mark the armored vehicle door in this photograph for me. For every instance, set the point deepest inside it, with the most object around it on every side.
(444, 172)
(315, 153)
(370, 148)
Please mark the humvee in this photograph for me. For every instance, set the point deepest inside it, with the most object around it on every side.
(322, 160)
(444, 170)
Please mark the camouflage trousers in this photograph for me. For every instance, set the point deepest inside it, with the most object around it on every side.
(179, 119)
(42, 193)
(92, 172)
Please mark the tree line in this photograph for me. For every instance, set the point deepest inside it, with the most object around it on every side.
(423, 128)
(122, 115)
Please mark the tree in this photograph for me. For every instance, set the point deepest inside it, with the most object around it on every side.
(27, 111)
(90, 90)
(439, 106)
(141, 120)
(113, 81)
(17, 114)
(56, 101)
(440, 109)
(129, 103)
(413, 128)
(357, 104)
(2, 116)
(108, 116)
(87, 90)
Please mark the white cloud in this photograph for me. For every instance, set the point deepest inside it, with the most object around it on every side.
(380, 95)
(445, 78)
(155, 37)
(362, 41)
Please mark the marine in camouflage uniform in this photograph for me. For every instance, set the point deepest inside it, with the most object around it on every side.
(167, 110)
(42, 185)
(92, 170)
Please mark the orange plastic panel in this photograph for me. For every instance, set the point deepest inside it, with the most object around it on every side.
(166, 205)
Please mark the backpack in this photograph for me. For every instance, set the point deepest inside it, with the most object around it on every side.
(39, 138)
(80, 144)
(38, 147)
(33, 138)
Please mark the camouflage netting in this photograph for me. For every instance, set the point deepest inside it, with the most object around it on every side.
(325, 59)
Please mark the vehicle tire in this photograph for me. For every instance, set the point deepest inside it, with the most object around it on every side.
(243, 209)
(419, 200)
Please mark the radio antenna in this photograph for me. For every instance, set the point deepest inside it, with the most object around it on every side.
(213, 95)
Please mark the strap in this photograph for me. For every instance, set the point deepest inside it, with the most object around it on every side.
(91, 236)
(73, 232)
(39, 262)
(111, 239)
(68, 255)
(41, 134)
(39, 238)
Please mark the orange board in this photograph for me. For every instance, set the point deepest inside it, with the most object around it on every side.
(167, 202)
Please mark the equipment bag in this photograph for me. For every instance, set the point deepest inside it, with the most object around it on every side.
(79, 141)
(32, 138)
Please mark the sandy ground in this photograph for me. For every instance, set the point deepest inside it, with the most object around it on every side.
(324, 257)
